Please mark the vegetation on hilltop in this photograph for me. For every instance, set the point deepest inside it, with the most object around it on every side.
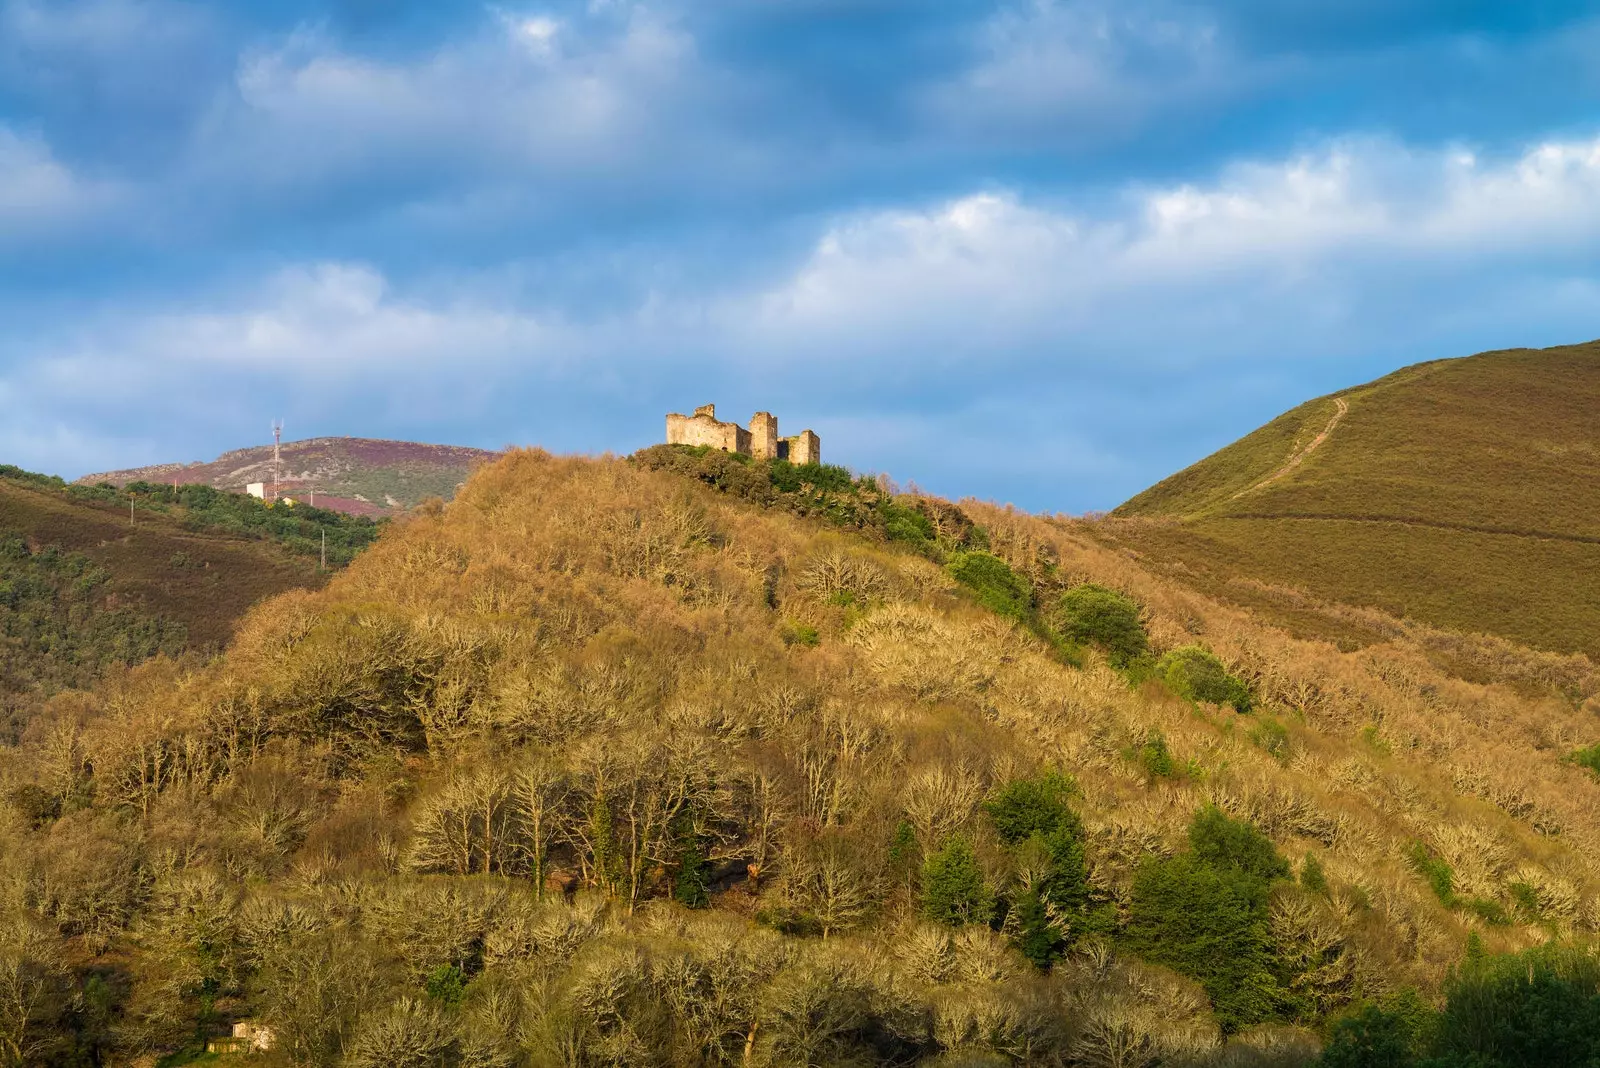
(545, 778)
(1457, 493)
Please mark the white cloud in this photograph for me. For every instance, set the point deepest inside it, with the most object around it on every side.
(994, 266)
(326, 322)
(533, 97)
(1084, 68)
(38, 192)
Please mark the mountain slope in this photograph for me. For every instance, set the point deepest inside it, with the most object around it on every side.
(1458, 492)
(83, 587)
(362, 476)
(644, 762)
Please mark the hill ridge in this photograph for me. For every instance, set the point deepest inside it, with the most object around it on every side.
(1428, 458)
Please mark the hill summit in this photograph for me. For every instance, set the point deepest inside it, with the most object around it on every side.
(1460, 492)
(360, 476)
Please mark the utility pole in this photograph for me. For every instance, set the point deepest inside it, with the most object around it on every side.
(323, 566)
(130, 509)
(277, 439)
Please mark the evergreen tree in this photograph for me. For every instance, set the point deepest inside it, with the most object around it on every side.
(953, 889)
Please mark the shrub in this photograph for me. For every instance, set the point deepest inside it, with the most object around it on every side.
(953, 890)
(993, 583)
(1433, 869)
(1234, 845)
(1036, 806)
(1093, 615)
(1312, 876)
(789, 477)
(1272, 737)
(1205, 913)
(1211, 925)
(905, 524)
(446, 985)
(1033, 818)
(1539, 1007)
(1196, 674)
(1371, 1038)
(1587, 757)
(1155, 758)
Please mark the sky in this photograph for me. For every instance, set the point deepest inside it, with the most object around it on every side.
(1042, 252)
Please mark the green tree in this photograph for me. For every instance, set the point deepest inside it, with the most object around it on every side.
(1093, 615)
(1196, 674)
(993, 583)
(953, 889)
(1205, 913)
(1540, 1007)
(1032, 817)
(1372, 1038)
(1234, 845)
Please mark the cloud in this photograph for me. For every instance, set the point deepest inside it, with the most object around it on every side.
(1084, 69)
(39, 193)
(994, 342)
(523, 96)
(994, 265)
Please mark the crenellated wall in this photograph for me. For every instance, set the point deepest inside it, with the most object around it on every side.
(761, 441)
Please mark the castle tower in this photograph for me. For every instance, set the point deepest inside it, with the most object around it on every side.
(764, 436)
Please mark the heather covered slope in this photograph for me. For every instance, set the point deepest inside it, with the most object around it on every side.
(1460, 493)
(602, 763)
(363, 476)
(84, 588)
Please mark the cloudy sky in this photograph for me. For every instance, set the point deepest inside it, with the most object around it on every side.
(1044, 251)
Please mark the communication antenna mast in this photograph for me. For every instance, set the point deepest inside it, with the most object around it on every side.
(277, 440)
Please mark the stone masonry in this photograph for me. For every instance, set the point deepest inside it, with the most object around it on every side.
(761, 441)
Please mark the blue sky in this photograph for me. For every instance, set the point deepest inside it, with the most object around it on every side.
(1043, 252)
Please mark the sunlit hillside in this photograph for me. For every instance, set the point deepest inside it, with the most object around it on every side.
(1459, 493)
(682, 760)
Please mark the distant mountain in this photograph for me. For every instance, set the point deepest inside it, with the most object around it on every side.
(360, 476)
(1461, 493)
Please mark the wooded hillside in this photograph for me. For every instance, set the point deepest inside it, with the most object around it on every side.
(680, 760)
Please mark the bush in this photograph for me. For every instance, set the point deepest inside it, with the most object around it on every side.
(905, 524)
(1156, 759)
(1033, 818)
(1371, 1038)
(1540, 1007)
(1196, 674)
(1036, 806)
(830, 478)
(1205, 913)
(1211, 925)
(1233, 845)
(1093, 615)
(1587, 757)
(993, 583)
(1312, 877)
(953, 890)
(1437, 873)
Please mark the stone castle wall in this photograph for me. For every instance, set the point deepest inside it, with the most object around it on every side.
(761, 441)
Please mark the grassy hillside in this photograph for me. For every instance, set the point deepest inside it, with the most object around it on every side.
(84, 588)
(682, 760)
(1460, 493)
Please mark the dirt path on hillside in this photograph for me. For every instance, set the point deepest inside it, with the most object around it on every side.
(1299, 458)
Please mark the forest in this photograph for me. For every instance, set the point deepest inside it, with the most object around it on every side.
(680, 759)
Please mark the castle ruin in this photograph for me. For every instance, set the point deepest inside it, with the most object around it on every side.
(761, 441)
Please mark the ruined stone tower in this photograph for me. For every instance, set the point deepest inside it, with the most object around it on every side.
(761, 441)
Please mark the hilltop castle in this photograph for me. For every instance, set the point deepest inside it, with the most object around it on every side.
(761, 441)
